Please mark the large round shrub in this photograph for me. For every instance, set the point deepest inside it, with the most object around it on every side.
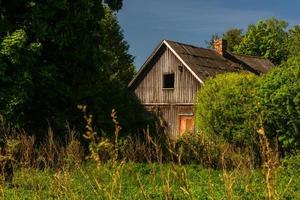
(278, 94)
(224, 107)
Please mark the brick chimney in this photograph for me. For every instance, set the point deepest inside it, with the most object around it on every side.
(220, 46)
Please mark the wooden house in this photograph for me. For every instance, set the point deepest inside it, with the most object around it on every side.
(168, 81)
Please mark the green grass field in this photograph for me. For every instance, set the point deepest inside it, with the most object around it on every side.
(148, 181)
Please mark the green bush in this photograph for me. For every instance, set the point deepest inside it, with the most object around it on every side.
(278, 97)
(224, 108)
(234, 106)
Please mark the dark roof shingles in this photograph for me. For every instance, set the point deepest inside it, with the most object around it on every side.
(207, 63)
(204, 62)
(262, 65)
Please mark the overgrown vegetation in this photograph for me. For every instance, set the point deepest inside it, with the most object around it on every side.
(278, 100)
(235, 106)
(224, 108)
(268, 38)
(57, 54)
(135, 170)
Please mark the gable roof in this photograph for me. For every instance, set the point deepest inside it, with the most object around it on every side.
(205, 63)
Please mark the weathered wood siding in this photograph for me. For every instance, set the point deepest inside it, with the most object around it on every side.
(170, 115)
(171, 103)
(150, 88)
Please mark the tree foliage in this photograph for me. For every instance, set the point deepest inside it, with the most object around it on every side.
(293, 42)
(114, 4)
(267, 39)
(57, 54)
(235, 106)
(234, 37)
(279, 103)
(15, 77)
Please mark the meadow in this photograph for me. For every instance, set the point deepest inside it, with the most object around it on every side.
(148, 181)
(57, 54)
(144, 169)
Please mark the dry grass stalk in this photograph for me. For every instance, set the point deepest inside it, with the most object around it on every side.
(141, 187)
(227, 177)
(270, 162)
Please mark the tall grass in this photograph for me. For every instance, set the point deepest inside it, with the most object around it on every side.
(141, 167)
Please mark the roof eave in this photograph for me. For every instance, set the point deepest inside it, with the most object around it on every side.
(182, 61)
(146, 63)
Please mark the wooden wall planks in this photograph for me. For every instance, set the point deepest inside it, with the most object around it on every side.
(170, 102)
(185, 87)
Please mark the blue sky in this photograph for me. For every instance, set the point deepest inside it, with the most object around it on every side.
(146, 22)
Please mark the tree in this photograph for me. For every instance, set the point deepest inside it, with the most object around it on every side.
(278, 104)
(265, 38)
(233, 37)
(114, 4)
(293, 42)
(15, 77)
(121, 63)
(57, 54)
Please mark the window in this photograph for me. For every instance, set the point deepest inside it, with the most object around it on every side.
(168, 81)
(186, 123)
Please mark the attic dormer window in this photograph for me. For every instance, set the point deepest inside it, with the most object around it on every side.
(168, 81)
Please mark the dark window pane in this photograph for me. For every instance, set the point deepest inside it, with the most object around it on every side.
(168, 81)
